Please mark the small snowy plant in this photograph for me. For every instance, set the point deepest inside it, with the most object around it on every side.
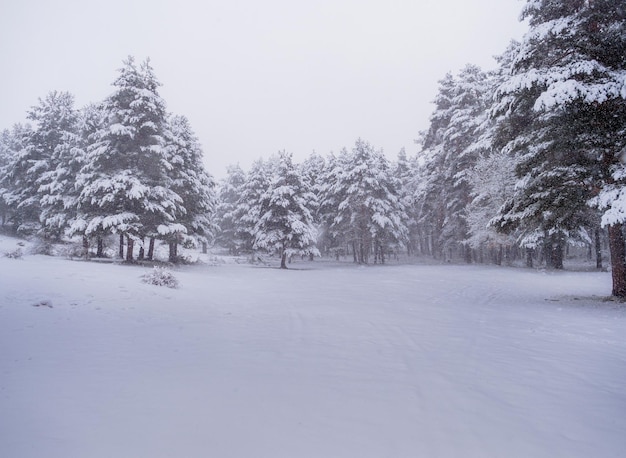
(15, 254)
(160, 276)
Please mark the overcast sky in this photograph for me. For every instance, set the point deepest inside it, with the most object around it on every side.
(256, 77)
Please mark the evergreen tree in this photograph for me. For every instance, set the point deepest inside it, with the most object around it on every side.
(312, 173)
(248, 209)
(370, 213)
(36, 153)
(404, 172)
(58, 196)
(194, 185)
(12, 147)
(125, 188)
(286, 223)
(231, 187)
(492, 179)
(331, 194)
(449, 153)
(566, 108)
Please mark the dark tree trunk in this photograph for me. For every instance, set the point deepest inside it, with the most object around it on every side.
(205, 248)
(151, 249)
(100, 252)
(529, 257)
(354, 253)
(86, 246)
(598, 249)
(173, 252)
(618, 260)
(121, 252)
(130, 243)
(557, 252)
(283, 258)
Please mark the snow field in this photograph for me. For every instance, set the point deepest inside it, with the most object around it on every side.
(326, 361)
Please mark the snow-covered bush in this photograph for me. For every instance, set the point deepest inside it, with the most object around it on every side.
(15, 254)
(43, 247)
(160, 276)
(73, 250)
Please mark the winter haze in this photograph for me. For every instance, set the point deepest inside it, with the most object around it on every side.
(258, 77)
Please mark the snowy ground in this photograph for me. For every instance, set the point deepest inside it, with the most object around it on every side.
(325, 361)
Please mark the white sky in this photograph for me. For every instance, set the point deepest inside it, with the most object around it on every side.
(256, 77)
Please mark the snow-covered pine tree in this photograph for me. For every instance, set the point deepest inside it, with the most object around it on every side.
(125, 187)
(230, 189)
(12, 143)
(334, 234)
(54, 120)
(286, 223)
(58, 196)
(248, 209)
(370, 213)
(492, 178)
(404, 171)
(492, 181)
(448, 154)
(312, 172)
(566, 103)
(194, 185)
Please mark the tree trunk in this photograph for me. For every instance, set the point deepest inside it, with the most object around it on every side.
(557, 252)
(598, 249)
(151, 249)
(618, 260)
(205, 248)
(130, 243)
(173, 254)
(121, 252)
(529, 258)
(142, 252)
(100, 252)
(283, 257)
(86, 246)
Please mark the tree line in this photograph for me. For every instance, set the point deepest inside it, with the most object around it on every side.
(521, 160)
(524, 159)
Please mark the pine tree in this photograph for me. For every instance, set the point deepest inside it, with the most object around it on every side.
(404, 172)
(125, 188)
(12, 171)
(35, 154)
(194, 185)
(58, 196)
(492, 178)
(230, 189)
(566, 108)
(334, 233)
(312, 172)
(370, 213)
(286, 223)
(449, 153)
(248, 209)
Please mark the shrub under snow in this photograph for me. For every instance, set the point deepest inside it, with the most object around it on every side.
(15, 254)
(160, 276)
